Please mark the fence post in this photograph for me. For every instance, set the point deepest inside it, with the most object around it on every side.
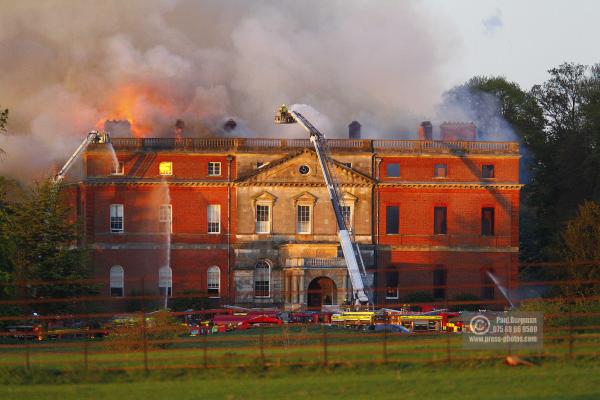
(385, 353)
(85, 355)
(145, 342)
(262, 346)
(570, 326)
(27, 361)
(325, 358)
(205, 350)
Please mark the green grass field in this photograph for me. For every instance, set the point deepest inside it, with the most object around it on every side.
(298, 362)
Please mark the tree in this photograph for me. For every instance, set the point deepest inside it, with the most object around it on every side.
(581, 238)
(43, 237)
(3, 121)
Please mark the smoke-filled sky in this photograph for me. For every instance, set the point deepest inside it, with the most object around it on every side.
(65, 66)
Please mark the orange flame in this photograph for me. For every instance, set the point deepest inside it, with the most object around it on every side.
(141, 105)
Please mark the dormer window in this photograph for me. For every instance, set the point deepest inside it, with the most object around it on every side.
(165, 168)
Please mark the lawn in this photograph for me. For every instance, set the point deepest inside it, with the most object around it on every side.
(552, 380)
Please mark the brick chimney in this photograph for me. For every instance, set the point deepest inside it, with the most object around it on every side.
(425, 130)
(354, 130)
(466, 131)
(117, 127)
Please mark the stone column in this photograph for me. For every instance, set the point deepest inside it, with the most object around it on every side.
(286, 287)
(294, 298)
(302, 289)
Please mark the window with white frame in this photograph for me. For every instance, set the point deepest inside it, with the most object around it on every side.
(263, 218)
(214, 281)
(116, 217)
(117, 281)
(303, 218)
(117, 168)
(165, 168)
(214, 218)
(262, 279)
(214, 168)
(347, 214)
(165, 218)
(165, 280)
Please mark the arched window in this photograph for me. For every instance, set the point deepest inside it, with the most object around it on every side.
(262, 279)
(117, 280)
(165, 280)
(214, 281)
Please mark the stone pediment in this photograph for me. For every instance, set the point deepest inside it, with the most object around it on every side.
(302, 169)
(264, 197)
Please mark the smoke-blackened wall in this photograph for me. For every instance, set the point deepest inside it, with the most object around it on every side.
(68, 65)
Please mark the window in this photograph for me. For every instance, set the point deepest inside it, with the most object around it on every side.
(214, 281)
(304, 169)
(303, 219)
(392, 170)
(439, 221)
(392, 220)
(347, 164)
(165, 215)
(116, 217)
(262, 279)
(391, 284)
(117, 281)
(165, 281)
(347, 214)
(214, 168)
(214, 218)
(487, 285)
(439, 282)
(487, 221)
(263, 218)
(440, 171)
(487, 171)
(117, 168)
(165, 168)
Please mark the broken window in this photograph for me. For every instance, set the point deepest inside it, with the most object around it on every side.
(440, 171)
(487, 171)
(392, 220)
(487, 221)
(392, 170)
(439, 282)
(439, 221)
(391, 284)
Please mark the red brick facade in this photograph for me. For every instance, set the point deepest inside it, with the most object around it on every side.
(414, 176)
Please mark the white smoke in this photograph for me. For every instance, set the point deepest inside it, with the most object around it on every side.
(66, 65)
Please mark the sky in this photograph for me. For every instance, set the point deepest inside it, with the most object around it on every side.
(520, 40)
(66, 66)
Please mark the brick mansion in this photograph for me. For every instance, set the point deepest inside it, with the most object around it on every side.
(248, 221)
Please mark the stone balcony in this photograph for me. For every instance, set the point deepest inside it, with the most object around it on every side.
(315, 263)
(338, 145)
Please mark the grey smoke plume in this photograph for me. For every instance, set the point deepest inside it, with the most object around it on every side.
(66, 65)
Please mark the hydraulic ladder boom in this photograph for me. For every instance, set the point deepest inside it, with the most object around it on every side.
(320, 144)
(92, 137)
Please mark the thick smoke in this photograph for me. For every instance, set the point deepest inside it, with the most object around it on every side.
(68, 65)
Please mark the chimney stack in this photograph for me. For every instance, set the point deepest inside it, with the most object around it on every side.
(466, 131)
(117, 127)
(354, 130)
(425, 130)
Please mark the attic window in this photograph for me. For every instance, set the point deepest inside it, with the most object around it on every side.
(304, 169)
